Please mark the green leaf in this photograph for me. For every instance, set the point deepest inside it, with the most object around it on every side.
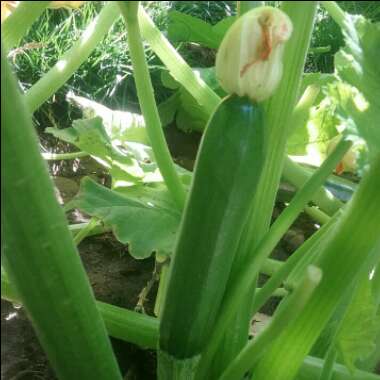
(37, 248)
(359, 328)
(167, 109)
(190, 115)
(220, 28)
(128, 162)
(142, 216)
(312, 138)
(186, 28)
(119, 125)
(359, 117)
(90, 136)
(357, 64)
(318, 79)
(168, 81)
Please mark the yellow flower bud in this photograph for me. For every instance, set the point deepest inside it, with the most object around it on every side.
(249, 60)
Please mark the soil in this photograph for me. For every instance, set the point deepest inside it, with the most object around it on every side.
(116, 278)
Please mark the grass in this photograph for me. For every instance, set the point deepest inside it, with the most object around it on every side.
(106, 76)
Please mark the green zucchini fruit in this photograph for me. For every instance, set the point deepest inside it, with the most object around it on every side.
(226, 174)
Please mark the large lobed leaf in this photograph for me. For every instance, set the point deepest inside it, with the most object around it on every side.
(359, 327)
(119, 125)
(312, 138)
(90, 136)
(129, 163)
(357, 64)
(139, 209)
(142, 216)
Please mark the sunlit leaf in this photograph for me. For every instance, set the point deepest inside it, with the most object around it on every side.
(142, 216)
(359, 328)
(357, 64)
(90, 136)
(189, 114)
(119, 125)
(312, 138)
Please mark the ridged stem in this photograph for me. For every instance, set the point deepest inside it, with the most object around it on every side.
(286, 312)
(39, 254)
(279, 113)
(344, 254)
(148, 105)
(238, 290)
(63, 156)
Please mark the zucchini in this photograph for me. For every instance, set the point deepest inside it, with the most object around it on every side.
(227, 171)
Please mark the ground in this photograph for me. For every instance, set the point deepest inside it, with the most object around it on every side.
(116, 278)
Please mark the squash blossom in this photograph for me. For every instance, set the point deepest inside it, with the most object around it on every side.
(249, 60)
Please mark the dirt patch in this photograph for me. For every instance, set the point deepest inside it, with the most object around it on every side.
(116, 278)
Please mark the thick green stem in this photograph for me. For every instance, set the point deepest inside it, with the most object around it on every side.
(148, 105)
(84, 232)
(162, 287)
(334, 11)
(63, 156)
(21, 19)
(345, 253)
(241, 284)
(178, 68)
(39, 254)
(297, 176)
(318, 215)
(328, 366)
(271, 266)
(98, 230)
(320, 49)
(287, 311)
(279, 292)
(302, 253)
(58, 75)
(279, 114)
(302, 109)
(311, 369)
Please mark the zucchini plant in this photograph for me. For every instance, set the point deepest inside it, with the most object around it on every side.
(210, 229)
